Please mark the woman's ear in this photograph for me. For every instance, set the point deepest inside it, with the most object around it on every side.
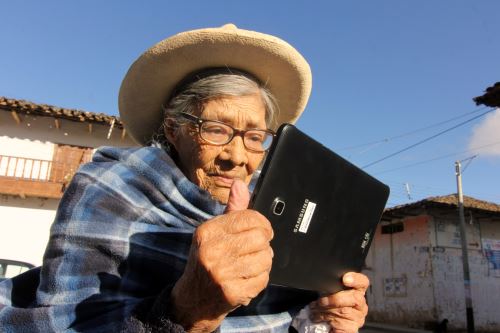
(170, 129)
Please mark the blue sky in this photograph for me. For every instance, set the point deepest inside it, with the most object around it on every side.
(380, 69)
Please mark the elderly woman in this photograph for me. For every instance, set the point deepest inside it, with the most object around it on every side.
(159, 238)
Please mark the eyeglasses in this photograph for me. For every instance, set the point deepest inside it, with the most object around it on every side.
(218, 133)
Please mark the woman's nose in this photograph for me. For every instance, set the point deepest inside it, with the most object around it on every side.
(236, 151)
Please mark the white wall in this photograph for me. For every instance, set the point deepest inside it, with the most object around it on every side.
(26, 148)
(14, 150)
(24, 227)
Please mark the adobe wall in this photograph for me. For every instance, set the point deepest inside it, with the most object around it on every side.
(449, 278)
(417, 274)
(400, 270)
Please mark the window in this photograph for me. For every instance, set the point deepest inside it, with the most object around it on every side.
(393, 228)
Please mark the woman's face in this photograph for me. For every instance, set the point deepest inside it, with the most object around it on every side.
(214, 168)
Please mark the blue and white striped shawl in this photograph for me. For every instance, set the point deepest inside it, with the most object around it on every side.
(121, 235)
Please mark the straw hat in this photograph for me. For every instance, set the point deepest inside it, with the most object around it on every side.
(152, 77)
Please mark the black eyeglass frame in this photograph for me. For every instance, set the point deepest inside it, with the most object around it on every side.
(199, 122)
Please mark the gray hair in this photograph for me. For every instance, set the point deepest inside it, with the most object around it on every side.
(191, 97)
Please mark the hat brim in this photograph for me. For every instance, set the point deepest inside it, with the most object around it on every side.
(152, 77)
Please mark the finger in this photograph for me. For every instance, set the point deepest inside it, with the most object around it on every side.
(356, 280)
(339, 325)
(349, 313)
(239, 197)
(338, 300)
(250, 266)
(247, 242)
(344, 323)
(242, 291)
(240, 221)
(324, 316)
(256, 284)
(232, 223)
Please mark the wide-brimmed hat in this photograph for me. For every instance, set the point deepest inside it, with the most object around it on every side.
(152, 77)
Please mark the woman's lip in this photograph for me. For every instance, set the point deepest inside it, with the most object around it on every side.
(224, 181)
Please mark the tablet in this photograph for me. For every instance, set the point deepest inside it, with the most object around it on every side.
(323, 209)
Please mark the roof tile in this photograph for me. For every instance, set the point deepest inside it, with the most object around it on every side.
(26, 107)
(450, 200)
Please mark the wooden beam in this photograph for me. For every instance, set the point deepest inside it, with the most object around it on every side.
(56, 121)
(30, 188)
(16, 117)
(111, 126)
(124, 133)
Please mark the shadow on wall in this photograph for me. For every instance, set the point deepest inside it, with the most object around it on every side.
(29, 202)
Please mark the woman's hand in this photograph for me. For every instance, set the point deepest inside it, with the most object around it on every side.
(228, 265)
(345, 310)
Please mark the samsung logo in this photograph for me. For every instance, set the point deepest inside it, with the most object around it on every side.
(305, 216)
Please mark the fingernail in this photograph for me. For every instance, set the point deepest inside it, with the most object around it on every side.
(348, 279)
(323, 301)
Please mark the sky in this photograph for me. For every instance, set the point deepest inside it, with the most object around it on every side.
(392, 79)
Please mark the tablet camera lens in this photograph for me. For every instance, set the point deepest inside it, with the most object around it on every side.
(279, 207)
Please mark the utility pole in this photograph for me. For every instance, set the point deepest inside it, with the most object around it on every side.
(465, 255)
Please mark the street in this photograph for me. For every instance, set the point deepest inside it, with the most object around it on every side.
(379, 328)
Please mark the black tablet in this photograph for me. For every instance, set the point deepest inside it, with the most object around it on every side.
(323, 209)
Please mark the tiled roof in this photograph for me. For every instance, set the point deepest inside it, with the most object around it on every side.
(451, 201)
(28, 108)
(491, 97)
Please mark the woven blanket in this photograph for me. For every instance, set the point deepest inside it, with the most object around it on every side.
(121, 236)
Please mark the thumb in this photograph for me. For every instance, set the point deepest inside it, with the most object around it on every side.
(239, 197)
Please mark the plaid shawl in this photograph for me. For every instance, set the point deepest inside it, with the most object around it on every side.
(120, 239)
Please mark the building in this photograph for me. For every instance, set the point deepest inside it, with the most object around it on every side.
(415, 264)
(41, 147)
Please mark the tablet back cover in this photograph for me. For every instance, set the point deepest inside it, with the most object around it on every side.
(323, 209)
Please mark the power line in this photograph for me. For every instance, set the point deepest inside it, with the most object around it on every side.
(468, 160)
(397, 189)
(438, 158)
(385, 140)
(402, 198)
(426, 139)
(398, 194)
(417, 188)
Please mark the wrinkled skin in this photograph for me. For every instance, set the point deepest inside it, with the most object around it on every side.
(213, 168)
(228, 265)
(345, 310)
(230, 256)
